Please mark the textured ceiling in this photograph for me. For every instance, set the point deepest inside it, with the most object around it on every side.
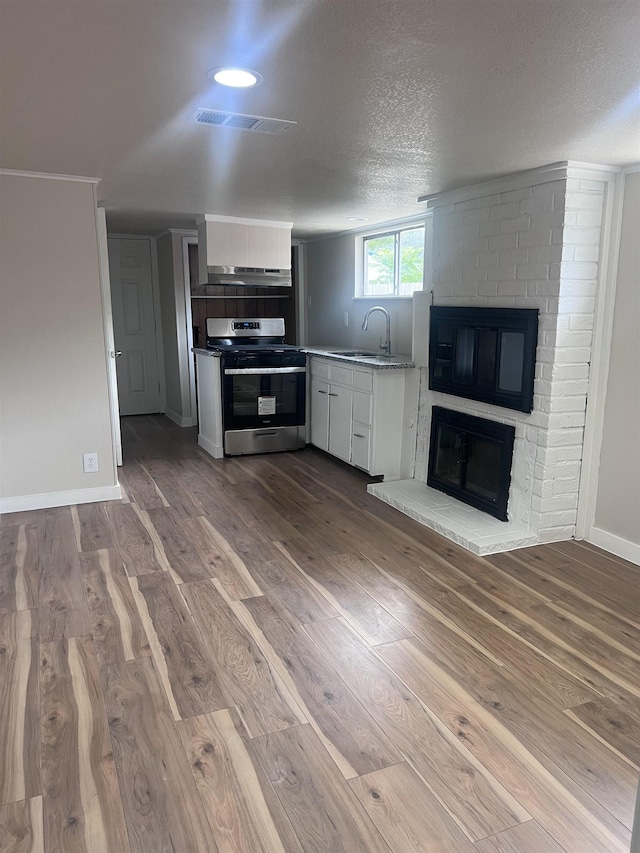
(394, 99)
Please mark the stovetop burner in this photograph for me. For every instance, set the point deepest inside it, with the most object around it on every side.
(250, 335)
(249, 345)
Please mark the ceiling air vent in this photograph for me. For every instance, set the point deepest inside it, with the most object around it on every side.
(257, 124)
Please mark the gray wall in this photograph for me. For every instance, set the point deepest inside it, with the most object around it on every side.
(53, 361)
(617, 509)
(169, 331)
(174, 311)
(330, 282)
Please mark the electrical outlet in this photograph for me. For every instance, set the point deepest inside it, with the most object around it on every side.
(90, 463)
(346, 318)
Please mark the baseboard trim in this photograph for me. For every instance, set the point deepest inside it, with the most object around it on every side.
(178, 419)
(614, 544)
(50, 499)
(215, 450)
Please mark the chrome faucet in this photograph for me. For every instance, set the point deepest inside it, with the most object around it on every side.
(386, 346)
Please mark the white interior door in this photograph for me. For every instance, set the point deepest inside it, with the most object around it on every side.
(108, 333)
(134, 326)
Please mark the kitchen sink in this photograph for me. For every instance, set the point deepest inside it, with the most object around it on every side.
(355, 353)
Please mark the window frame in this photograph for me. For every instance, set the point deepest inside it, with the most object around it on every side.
(395, 230)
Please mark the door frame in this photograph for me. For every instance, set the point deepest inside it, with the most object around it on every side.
(107, 320)
(300, 290)
(610, 234)
(189, 240)
(157, 316)
(599, 378)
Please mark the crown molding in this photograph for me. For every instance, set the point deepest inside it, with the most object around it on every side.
(518, 180)
(238, 220)
(179, 232)
(20, 174)
(116, 235)
(370, 228)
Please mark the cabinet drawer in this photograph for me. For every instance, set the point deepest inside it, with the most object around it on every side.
(319, 368)
(362, 407)
(363, 380)
(361, 446)
(343, 375)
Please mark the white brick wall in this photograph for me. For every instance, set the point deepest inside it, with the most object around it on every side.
(531, 247)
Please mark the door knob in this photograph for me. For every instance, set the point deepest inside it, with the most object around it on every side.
(115, 353)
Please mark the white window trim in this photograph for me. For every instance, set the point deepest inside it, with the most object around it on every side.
(379, 231)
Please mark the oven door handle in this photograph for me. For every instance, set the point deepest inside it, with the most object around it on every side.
(255, 371)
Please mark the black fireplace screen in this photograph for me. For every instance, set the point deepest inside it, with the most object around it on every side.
(470, 459)
(485, 354)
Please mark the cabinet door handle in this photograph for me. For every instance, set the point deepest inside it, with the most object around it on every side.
(322, 392)
(358, 435)
(333, 395)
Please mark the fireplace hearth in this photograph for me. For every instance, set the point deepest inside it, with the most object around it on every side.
(470, 459)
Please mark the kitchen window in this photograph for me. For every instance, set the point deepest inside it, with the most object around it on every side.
(392, 262)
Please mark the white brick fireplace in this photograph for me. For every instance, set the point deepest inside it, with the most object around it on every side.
(533, 240)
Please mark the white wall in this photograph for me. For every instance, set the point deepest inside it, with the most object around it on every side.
(174, 311)
(168, 314)
(54, 398)
(330, 283)
(618, 497)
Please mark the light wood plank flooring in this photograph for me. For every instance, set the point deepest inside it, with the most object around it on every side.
(253, 655)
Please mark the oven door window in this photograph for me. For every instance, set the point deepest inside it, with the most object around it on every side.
(253, 400)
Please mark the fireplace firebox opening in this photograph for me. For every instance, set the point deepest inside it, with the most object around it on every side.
(470, 459)
(486, 354)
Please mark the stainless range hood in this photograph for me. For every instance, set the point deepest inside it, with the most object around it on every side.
(247, 252)
(248, 276)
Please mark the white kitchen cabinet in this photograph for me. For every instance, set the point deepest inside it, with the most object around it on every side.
(210, 434)
(331, 418)
(233, 242)
(340, 405)
(362, 404)
(361, 446)
(274, 251)
(356, 414)
(319, 413)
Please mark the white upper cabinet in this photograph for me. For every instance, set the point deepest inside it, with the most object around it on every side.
(274, 248)
(232, 242)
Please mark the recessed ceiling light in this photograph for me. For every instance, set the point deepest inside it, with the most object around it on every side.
(357, 219)
(239, 78)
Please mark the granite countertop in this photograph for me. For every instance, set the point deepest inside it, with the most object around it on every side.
(361, 357)
(208, 352)
(378, 362)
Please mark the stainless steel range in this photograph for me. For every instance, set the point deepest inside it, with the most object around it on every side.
(263, 383)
